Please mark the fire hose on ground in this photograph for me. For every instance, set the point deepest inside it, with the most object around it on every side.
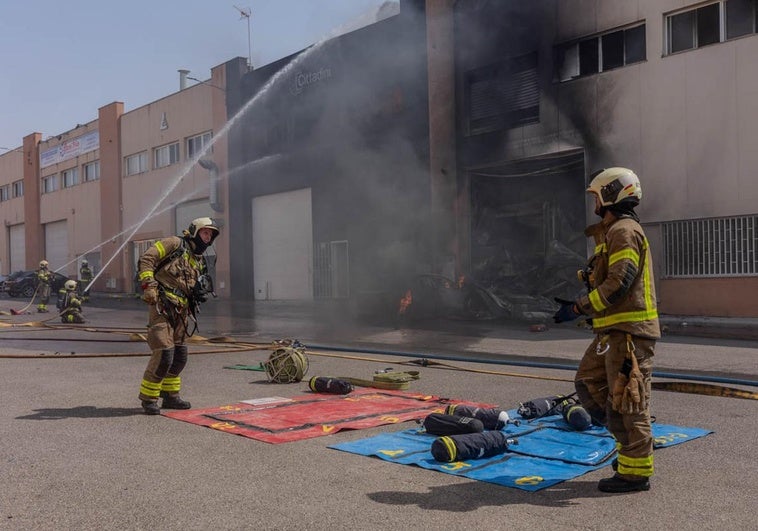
(693, 384)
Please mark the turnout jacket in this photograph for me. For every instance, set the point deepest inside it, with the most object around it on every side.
(622, 294)
(175, 268)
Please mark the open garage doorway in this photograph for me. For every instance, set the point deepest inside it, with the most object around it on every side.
(527, 219)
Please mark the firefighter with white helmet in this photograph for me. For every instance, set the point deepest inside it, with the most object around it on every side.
(174, 276)
(44, 277)
(69, 303)
(613, 379)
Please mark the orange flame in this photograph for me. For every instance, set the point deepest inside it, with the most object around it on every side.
(405, 301)
(461, 280)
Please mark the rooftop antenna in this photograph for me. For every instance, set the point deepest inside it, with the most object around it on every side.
(245, 12)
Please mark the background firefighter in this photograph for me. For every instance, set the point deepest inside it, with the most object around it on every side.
(85, 277)
(69, 303)
(43, 286)
(173, 274)
(613, 381)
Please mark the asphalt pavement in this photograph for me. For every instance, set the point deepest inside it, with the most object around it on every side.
(77, 453)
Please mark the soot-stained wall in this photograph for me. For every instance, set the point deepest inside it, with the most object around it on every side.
(346, 118)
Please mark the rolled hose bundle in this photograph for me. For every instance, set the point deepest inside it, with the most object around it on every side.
(287, 362)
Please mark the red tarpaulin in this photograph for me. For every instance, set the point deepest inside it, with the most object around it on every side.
(280, 420)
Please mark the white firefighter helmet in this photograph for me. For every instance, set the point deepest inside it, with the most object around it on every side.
(43, 263)
(200, 223)
(70, 285)
(614, 185)
(85, 262)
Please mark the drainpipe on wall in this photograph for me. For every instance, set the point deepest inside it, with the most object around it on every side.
(213, 198)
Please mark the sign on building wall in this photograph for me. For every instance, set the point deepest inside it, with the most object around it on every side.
(70, 149)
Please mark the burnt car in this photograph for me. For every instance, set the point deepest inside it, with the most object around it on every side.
(24, 283)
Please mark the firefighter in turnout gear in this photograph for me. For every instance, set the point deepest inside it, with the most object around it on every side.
(85, 277)
(174, 278)
(613, 380)
(44, 277)
(69, 303)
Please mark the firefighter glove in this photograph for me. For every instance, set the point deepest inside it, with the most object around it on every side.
(567, 311)
(632, 401)
(150, 292)
(618, 390)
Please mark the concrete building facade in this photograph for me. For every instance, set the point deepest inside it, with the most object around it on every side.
(455, 137)
(107, 189)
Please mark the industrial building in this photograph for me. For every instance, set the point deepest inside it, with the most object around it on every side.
(450, 140)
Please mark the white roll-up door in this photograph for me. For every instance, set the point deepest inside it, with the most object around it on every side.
(18, 248)
(56, 247)
(283, 246)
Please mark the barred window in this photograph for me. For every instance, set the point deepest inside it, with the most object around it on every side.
(718, 247)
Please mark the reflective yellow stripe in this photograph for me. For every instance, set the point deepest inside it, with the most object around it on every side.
(649, 302)
(452, 452)
(151, 389)
(597, 304)
(176, 299)
(146, 275)
(629, 254)
(171, 384)
(601, 248)
(626, 317)
(635, 466)
(161, 249)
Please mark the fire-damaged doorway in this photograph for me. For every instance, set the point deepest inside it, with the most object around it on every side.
(526, 224)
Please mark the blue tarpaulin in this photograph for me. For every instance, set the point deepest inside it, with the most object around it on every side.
(548, 452)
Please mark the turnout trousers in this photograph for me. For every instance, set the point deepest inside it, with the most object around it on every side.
(594, 381)
(165, 337)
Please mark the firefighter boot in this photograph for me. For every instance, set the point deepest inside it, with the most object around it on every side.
(617, 484)
(174, 402)
(150, 407)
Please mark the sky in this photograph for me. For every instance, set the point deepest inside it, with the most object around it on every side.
(61, 61)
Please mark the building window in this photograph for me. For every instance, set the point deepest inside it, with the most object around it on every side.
(49, 184)
(92, 171)
(718, 247)
(166, 155)
(136, 163)
(18, 188)
(601, 52)
(196, 144)
(5, 192)
(710, 24)
(503, 95)
(70, 177)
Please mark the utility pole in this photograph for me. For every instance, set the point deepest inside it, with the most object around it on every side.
(245, 12)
